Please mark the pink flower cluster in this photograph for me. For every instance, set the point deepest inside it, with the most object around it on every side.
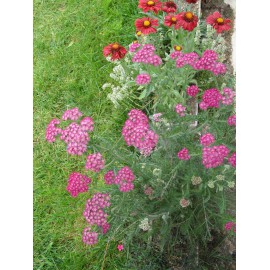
(210, 99)
(207, 139)
(180, 109)
(72, 114)
(208, 61)
(124, 178)
(183, 154)
(87, 124)
(95, 162)
(77, 183)
(232, 120)
(230, 225)
(95, 215)
(232, 159)
(193, 90)
(52, 131)
(89, 237)
(109, 178)
(143, 79)
(136, 132)
(134, 46)
(183, 59)
(147, 55)
(74, 135)
(228, 96)
(213, 157)
(76, 139)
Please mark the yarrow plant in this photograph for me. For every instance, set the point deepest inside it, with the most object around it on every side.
(167, 171)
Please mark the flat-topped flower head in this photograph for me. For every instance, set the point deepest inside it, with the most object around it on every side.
(213, 157)
(172, 20)
(180, 110)
(143, 78)
(232, 120)
(95, 162)
(87, 124)
(218, 22)
(89, 237)
(212, 98)
(146, 25)
(169, 7)
(207, 139)
(192, 90)
(52, 131)
(150, 5)
(77, 183)
(72, 114)
(232, 159)
(183, 154)
(188, 20)
(115, 50)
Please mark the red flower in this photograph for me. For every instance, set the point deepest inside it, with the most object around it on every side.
(153, 5)
(188, 20)
(172, 20)
(219, 23)
(145, 25)
(192, 1)
(169, 7)
(117, 51)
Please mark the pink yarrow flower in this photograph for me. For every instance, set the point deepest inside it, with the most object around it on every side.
(134, 46)
(232, 159)
(87, 124)
(136, 132)
(143, 79)
(147, 55)
(120, 247)
(77, 183)
(230, 225)
(180, 110)
(109, 178)
(95, 162)
(89, 237)
(72, 114)
(93, 211)
(124, 179)
(192, 90)
(232, 120)
(52, 131)
(76, 139)
(228, 96)
(211, 98)
(213, 157)
(183, 154)
(105, 228)
(207, 139)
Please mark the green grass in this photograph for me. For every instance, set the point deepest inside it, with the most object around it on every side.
(69, 70)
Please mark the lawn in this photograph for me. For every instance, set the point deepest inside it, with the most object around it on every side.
(69, 70)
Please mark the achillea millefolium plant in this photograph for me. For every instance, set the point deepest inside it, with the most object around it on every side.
(166, 180)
